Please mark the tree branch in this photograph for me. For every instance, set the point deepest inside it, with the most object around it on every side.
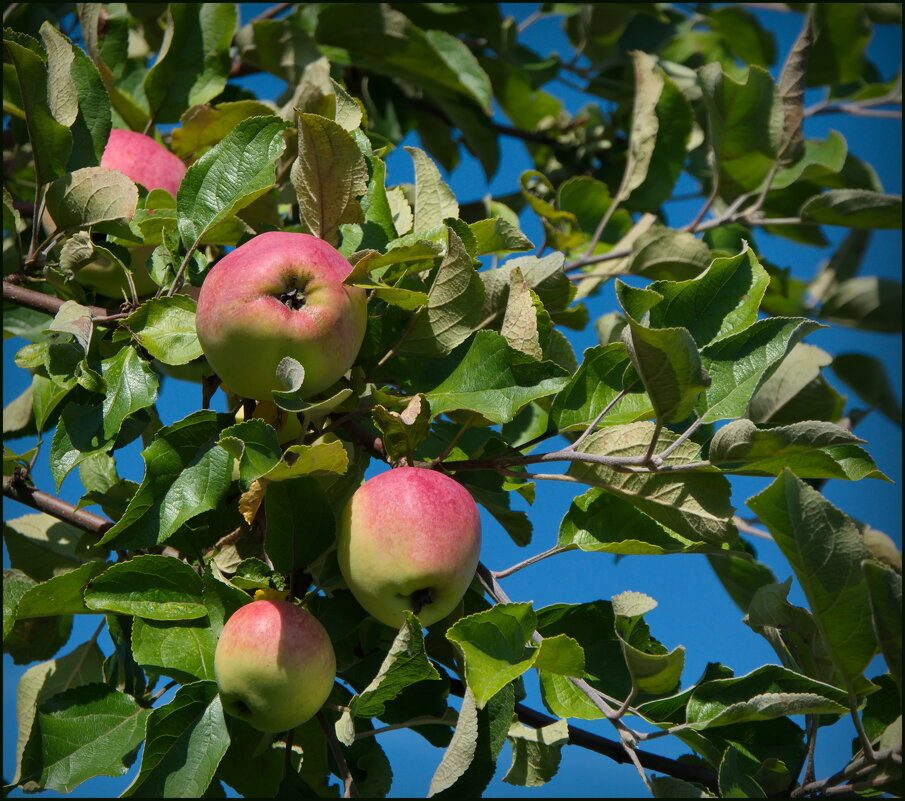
(18, 490)
(50, 304)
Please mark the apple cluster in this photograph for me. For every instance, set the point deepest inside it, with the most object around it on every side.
(408, 539)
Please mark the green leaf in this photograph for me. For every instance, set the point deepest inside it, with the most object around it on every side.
(722, 300)
(675, 120)
(741, 577)
(291, 543)
(884, 588)
(866, 375)
(253, 443)
(88, 108)
(694, 505)
(461, 61)
(204, 125)
(669, 365)
(768, 692)
(149, 586)
(607, 523)
(454, 304)
(795, 372)
(536, 753)
(736, 774)
(165, 327)
(402, 432)
(185, 742)
(668, 254)
(321, 458)
(51, 141)
(743, 35)
(92, 197)
(495, 380)
(78, 436)
(745, 120)
(329, 176)
(434, 200)
(194, 59)
(865, 302)
(131, 385)
(811, 449)
(496, 235)
(740, 363)
(405, 664)
(83, 665)
(829, 63)
(821, 160)
(87, 731)
(494, 646)
(181, 649)
(669, 787)
(382, 39)
(562, 655)
(652, 669)
(124, 102)
(186, 473)
(791, 631)
(521, 321)
(595, 385)
(461, 750)
(645, 124)
(593, 625)
(60, 595)
(233, 173)
(854, 208)
(42, 546)
(825, 549)
(545, 277)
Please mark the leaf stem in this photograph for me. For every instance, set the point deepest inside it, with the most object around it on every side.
(349, 788)
(556, 549)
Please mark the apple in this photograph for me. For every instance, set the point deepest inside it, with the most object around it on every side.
(144, 161)
(409, 538)
(280, 294)
(274, 665)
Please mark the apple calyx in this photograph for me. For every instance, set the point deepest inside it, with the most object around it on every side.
(293, 298)
(421, 598)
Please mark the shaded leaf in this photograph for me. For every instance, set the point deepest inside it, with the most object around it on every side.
(329, 176)
(825, 549)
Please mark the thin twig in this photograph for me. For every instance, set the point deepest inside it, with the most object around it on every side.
(606, 410)
(743, 525)
(666, 452)
(424, 720)
(556, 549)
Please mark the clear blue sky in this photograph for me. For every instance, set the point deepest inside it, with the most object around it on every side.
(693, 610)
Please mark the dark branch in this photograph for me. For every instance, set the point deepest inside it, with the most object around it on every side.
(18, 490)
(32, 299)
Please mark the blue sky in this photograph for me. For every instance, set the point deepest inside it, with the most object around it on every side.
(693, 610)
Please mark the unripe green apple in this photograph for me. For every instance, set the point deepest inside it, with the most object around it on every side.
(280, 294)
(143, 161)
(274, 665)
(409, 538)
